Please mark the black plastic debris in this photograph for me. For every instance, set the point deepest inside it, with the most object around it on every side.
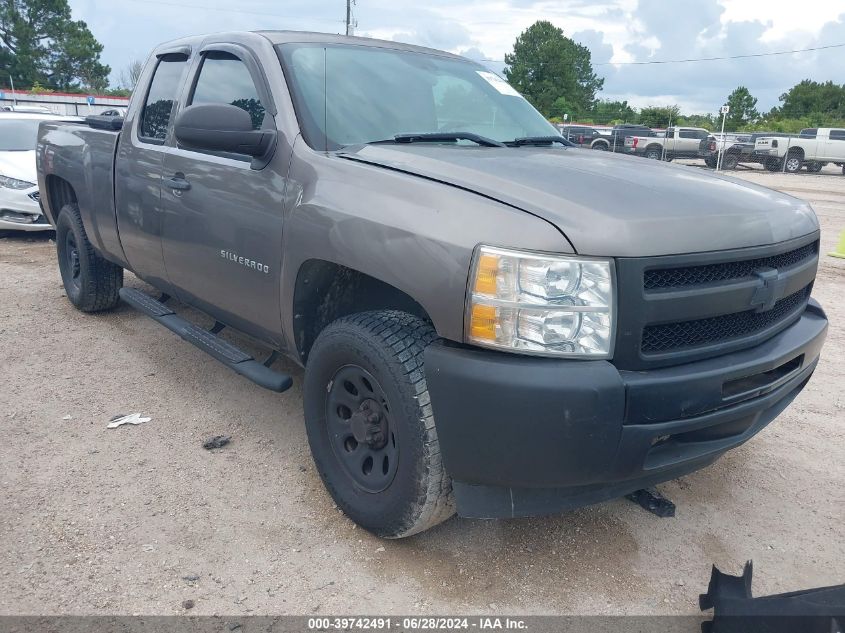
(735, 610)
(218, 441)
(651, 500)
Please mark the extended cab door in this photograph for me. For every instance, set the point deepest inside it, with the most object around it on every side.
(138, 167)
(222, 236)
(835, 146)
(688, 141)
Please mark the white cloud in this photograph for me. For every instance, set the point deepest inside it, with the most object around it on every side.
(615, 30)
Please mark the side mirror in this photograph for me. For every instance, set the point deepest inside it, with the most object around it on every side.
(221, 127)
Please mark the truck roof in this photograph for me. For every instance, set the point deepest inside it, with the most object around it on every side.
(309, 37)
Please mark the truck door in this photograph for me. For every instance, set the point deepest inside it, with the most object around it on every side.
(138, 169)
(835, 146)
(222, 234)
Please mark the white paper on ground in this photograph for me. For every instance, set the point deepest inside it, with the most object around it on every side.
(132, 418)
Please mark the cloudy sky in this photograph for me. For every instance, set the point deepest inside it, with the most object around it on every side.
(616, 31)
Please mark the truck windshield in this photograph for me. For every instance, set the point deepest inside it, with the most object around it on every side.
(18, 135)
(347, 94)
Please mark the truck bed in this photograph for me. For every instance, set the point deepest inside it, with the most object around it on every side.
(83, 155)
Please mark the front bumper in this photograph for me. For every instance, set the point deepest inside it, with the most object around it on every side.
(21, 211)
(524, 436)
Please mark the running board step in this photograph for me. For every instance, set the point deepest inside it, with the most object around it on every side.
(233, 357)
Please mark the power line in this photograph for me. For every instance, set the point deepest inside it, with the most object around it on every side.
(703, 59)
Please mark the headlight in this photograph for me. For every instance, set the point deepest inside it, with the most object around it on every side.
(14, 183)
(554, 305)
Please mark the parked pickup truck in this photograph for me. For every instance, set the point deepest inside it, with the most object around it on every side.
(813, 148)
(489, 319)
(677, 142)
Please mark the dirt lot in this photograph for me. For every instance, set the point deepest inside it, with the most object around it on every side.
(139, 519)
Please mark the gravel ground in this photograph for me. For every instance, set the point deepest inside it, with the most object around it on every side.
(140, 519)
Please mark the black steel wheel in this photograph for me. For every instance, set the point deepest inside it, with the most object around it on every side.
(91, 282)
(370, 423)
(362, 436)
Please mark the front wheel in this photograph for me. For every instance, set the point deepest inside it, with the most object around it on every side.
(370, 424)
(730, 161)
(91, 282)
(773, 164)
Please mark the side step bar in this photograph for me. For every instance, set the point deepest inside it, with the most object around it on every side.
(233, 357)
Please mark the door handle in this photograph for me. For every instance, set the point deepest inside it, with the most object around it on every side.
(178, 183)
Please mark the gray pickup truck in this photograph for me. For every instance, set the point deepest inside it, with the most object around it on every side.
(491, 321)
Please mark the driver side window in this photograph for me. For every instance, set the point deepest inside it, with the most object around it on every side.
(223, 78)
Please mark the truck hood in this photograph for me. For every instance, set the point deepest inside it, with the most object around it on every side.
(20, 165)
(610, 204)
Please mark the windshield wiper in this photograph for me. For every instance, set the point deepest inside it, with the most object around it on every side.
(440, 137)
(539, 140)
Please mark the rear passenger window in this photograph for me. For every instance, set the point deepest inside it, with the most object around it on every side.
(809, 132)
(158, 106)
(224, 78)
(837, 135)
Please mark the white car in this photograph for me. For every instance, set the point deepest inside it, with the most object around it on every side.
(19, 208)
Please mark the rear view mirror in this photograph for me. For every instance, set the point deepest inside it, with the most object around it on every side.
(223, 128)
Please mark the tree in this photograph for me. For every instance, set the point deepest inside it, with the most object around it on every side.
(809, 98)
(604, 112)
(39, 42)
(546, 66)
(660, 116)
(743, 109)
(130, 75)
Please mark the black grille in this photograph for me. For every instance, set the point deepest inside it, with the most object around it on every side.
(694, 275)
(34, 196)
(669, 337)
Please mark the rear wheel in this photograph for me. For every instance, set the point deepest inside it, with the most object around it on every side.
(710, 161)
(600, 146)
(793, 163)
(370, 424)
(653, 153)
(91, 282)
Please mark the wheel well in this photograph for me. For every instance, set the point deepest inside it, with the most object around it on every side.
(598, 142)
(59, 193)
(659, 148)
(326, 291)
(796, 151)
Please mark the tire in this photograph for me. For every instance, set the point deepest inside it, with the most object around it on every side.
(710, 161)
(814, 166)
(91, 283)
(385, 473)
(730, 161)
(773, 164)
(793, 163)
(603, 147)
(653, 153)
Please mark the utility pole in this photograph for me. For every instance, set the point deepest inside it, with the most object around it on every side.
(348, 15)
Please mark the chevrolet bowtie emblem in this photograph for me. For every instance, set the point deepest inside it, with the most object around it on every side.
(769, 289)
